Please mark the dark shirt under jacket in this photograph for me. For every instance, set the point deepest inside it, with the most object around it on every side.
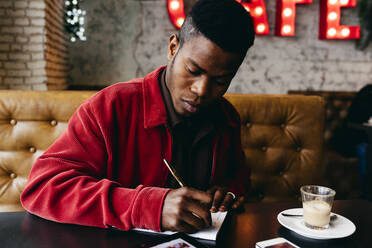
(192, 140)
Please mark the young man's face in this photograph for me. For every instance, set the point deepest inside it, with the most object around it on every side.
(198, 73)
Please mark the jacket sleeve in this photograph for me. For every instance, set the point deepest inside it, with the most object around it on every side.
(68, 182)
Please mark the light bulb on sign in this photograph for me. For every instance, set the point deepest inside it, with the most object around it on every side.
(260, 28)
(331, 32)
(287, 12)
(332, 2)
(174, 5)
(247, 8)
(287, 29)
(344, 2)
(332, 16)
(180, 21)
(258, 11)
(345, 32)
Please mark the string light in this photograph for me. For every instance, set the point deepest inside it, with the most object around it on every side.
(345, 32)
(258, 11)
(331, 32)
(180, 21)
(260, 28)
(287, 12)
(332, 16)
(332, 2)
(74, 19)
(287, 29)
(174, 5)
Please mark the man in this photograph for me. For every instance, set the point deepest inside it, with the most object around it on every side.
(107, 168)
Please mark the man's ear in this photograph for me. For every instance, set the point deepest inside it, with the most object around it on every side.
(173, 46)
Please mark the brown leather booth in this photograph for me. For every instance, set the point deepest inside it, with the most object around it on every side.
(281, 137)
(342, 173)
(282, 141)
(30, 121)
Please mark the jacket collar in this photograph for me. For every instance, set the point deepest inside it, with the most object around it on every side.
(154, 108)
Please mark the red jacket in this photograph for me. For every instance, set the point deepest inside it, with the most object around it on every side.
(106, 169)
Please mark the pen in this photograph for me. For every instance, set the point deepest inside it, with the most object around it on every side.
(173, 171)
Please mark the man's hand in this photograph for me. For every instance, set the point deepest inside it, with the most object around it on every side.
(186, 210)
(223, 200)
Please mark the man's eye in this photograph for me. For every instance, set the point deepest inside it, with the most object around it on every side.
(195, 73)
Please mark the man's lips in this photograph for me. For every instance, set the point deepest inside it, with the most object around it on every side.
(190, 106)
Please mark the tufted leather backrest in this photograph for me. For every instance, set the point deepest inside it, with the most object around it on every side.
(30, 122)
(281, 137)
(282, 141)
(337, 104)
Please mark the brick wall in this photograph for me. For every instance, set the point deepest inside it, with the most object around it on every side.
(33, 52)
(56, 55)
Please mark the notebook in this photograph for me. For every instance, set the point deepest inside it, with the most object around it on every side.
(208, 233)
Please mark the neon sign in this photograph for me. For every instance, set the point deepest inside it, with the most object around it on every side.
(330, 15)
(176, 12)
(257, 9)
(329, 21)
(286, 16)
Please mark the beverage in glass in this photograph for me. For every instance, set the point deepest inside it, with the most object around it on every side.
(317, 204)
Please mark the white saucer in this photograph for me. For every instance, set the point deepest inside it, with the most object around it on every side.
(339, 228)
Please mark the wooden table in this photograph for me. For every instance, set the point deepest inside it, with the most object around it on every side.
(258, 222)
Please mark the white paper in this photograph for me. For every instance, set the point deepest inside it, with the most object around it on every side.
(208, 233)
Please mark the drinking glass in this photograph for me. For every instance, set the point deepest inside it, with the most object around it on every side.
(317, 204)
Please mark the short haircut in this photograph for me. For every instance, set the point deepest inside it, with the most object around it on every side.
(224, 22)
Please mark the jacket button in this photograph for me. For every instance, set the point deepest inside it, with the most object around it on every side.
(264, 148)
(12, 175)
(13, 122)
(32, 149)
(298, 149)
(249, 125)
(53, 122)
(282, 126)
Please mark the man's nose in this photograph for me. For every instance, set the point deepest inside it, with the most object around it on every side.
(200, 87)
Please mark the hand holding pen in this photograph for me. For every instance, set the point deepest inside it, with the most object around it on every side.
(185, 209)
(188, 210)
